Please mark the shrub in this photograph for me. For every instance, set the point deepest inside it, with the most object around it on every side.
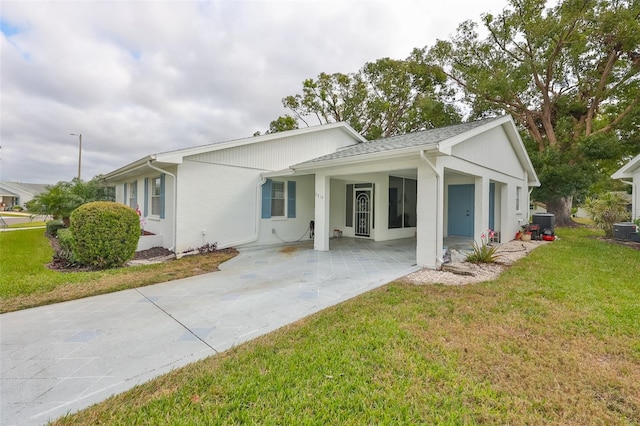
(606, 210)
(53, 226)
(483, 254)
(65, 238)
(105, 234)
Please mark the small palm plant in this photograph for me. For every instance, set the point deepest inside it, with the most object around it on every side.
(484, 253)
(606, 210)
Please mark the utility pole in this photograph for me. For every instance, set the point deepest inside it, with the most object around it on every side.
(79, 135)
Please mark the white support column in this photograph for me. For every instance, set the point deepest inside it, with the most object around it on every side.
(481, 207)
(322, 216)
(508, 220)
(430, 216)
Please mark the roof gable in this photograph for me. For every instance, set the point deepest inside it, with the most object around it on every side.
(628, 169)
(177, 156)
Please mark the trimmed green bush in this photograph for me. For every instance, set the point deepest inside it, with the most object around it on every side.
(105, 234)
(53, 226)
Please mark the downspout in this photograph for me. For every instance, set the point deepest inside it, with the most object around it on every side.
(175, 203)
(435, 171)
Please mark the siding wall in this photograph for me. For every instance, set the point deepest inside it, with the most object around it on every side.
(492, 150)
(279, 154)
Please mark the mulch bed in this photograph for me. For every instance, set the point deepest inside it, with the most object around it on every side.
(59, 263)
(152, 253)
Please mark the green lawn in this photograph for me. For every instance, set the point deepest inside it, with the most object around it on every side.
(27, 282)
(38, 224)
(555, 340)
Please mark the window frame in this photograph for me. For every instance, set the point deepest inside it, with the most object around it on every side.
(133, 194)
(402, 197)
(283, 199)
(289, 203)
(153, 196)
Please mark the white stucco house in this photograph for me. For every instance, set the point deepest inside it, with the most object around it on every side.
(630, 174)
(18, 193)
(454, 181)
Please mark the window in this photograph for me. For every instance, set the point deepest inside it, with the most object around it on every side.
(278, 199)
(349, 202)
(133, 194)
(403, 199)
(156, 196)
(518, 196)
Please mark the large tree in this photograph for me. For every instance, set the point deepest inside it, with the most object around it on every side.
(384, 98)
(569, 75)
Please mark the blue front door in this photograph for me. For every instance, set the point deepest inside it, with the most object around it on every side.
(461, 210)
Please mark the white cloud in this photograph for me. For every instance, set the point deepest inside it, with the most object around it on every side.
(138, 77)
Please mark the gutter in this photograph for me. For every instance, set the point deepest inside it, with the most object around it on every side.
(438, 177)
(175, 203)
(127, 169)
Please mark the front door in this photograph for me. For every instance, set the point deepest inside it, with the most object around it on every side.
(363, 213)
(461, 210)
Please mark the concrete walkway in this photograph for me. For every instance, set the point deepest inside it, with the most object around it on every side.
(61, 358)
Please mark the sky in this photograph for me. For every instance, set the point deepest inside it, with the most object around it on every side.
(142, 77)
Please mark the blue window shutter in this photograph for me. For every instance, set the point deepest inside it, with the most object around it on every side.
(266, 199)
(125, 201)
(146, 197)
(291, 199)
(162, 197)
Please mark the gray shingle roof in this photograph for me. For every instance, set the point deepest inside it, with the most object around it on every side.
(29, 188)
(409, 140)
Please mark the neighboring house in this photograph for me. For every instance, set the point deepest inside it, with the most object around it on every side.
(454, 181)
(630, 174)
(18, 193)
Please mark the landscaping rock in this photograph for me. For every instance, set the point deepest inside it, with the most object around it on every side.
(458, 269)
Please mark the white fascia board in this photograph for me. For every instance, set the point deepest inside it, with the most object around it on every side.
(516, 141)
(128, 168)
(278, 173)
(626, 171)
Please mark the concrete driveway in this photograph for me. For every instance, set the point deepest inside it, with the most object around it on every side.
(61, 358)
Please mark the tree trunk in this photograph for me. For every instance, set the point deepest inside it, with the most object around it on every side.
(561, 208)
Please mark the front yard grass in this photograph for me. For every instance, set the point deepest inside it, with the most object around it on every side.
(27, 282)
(554, 340)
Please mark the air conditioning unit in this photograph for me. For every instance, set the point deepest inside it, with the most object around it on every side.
(623, 230)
